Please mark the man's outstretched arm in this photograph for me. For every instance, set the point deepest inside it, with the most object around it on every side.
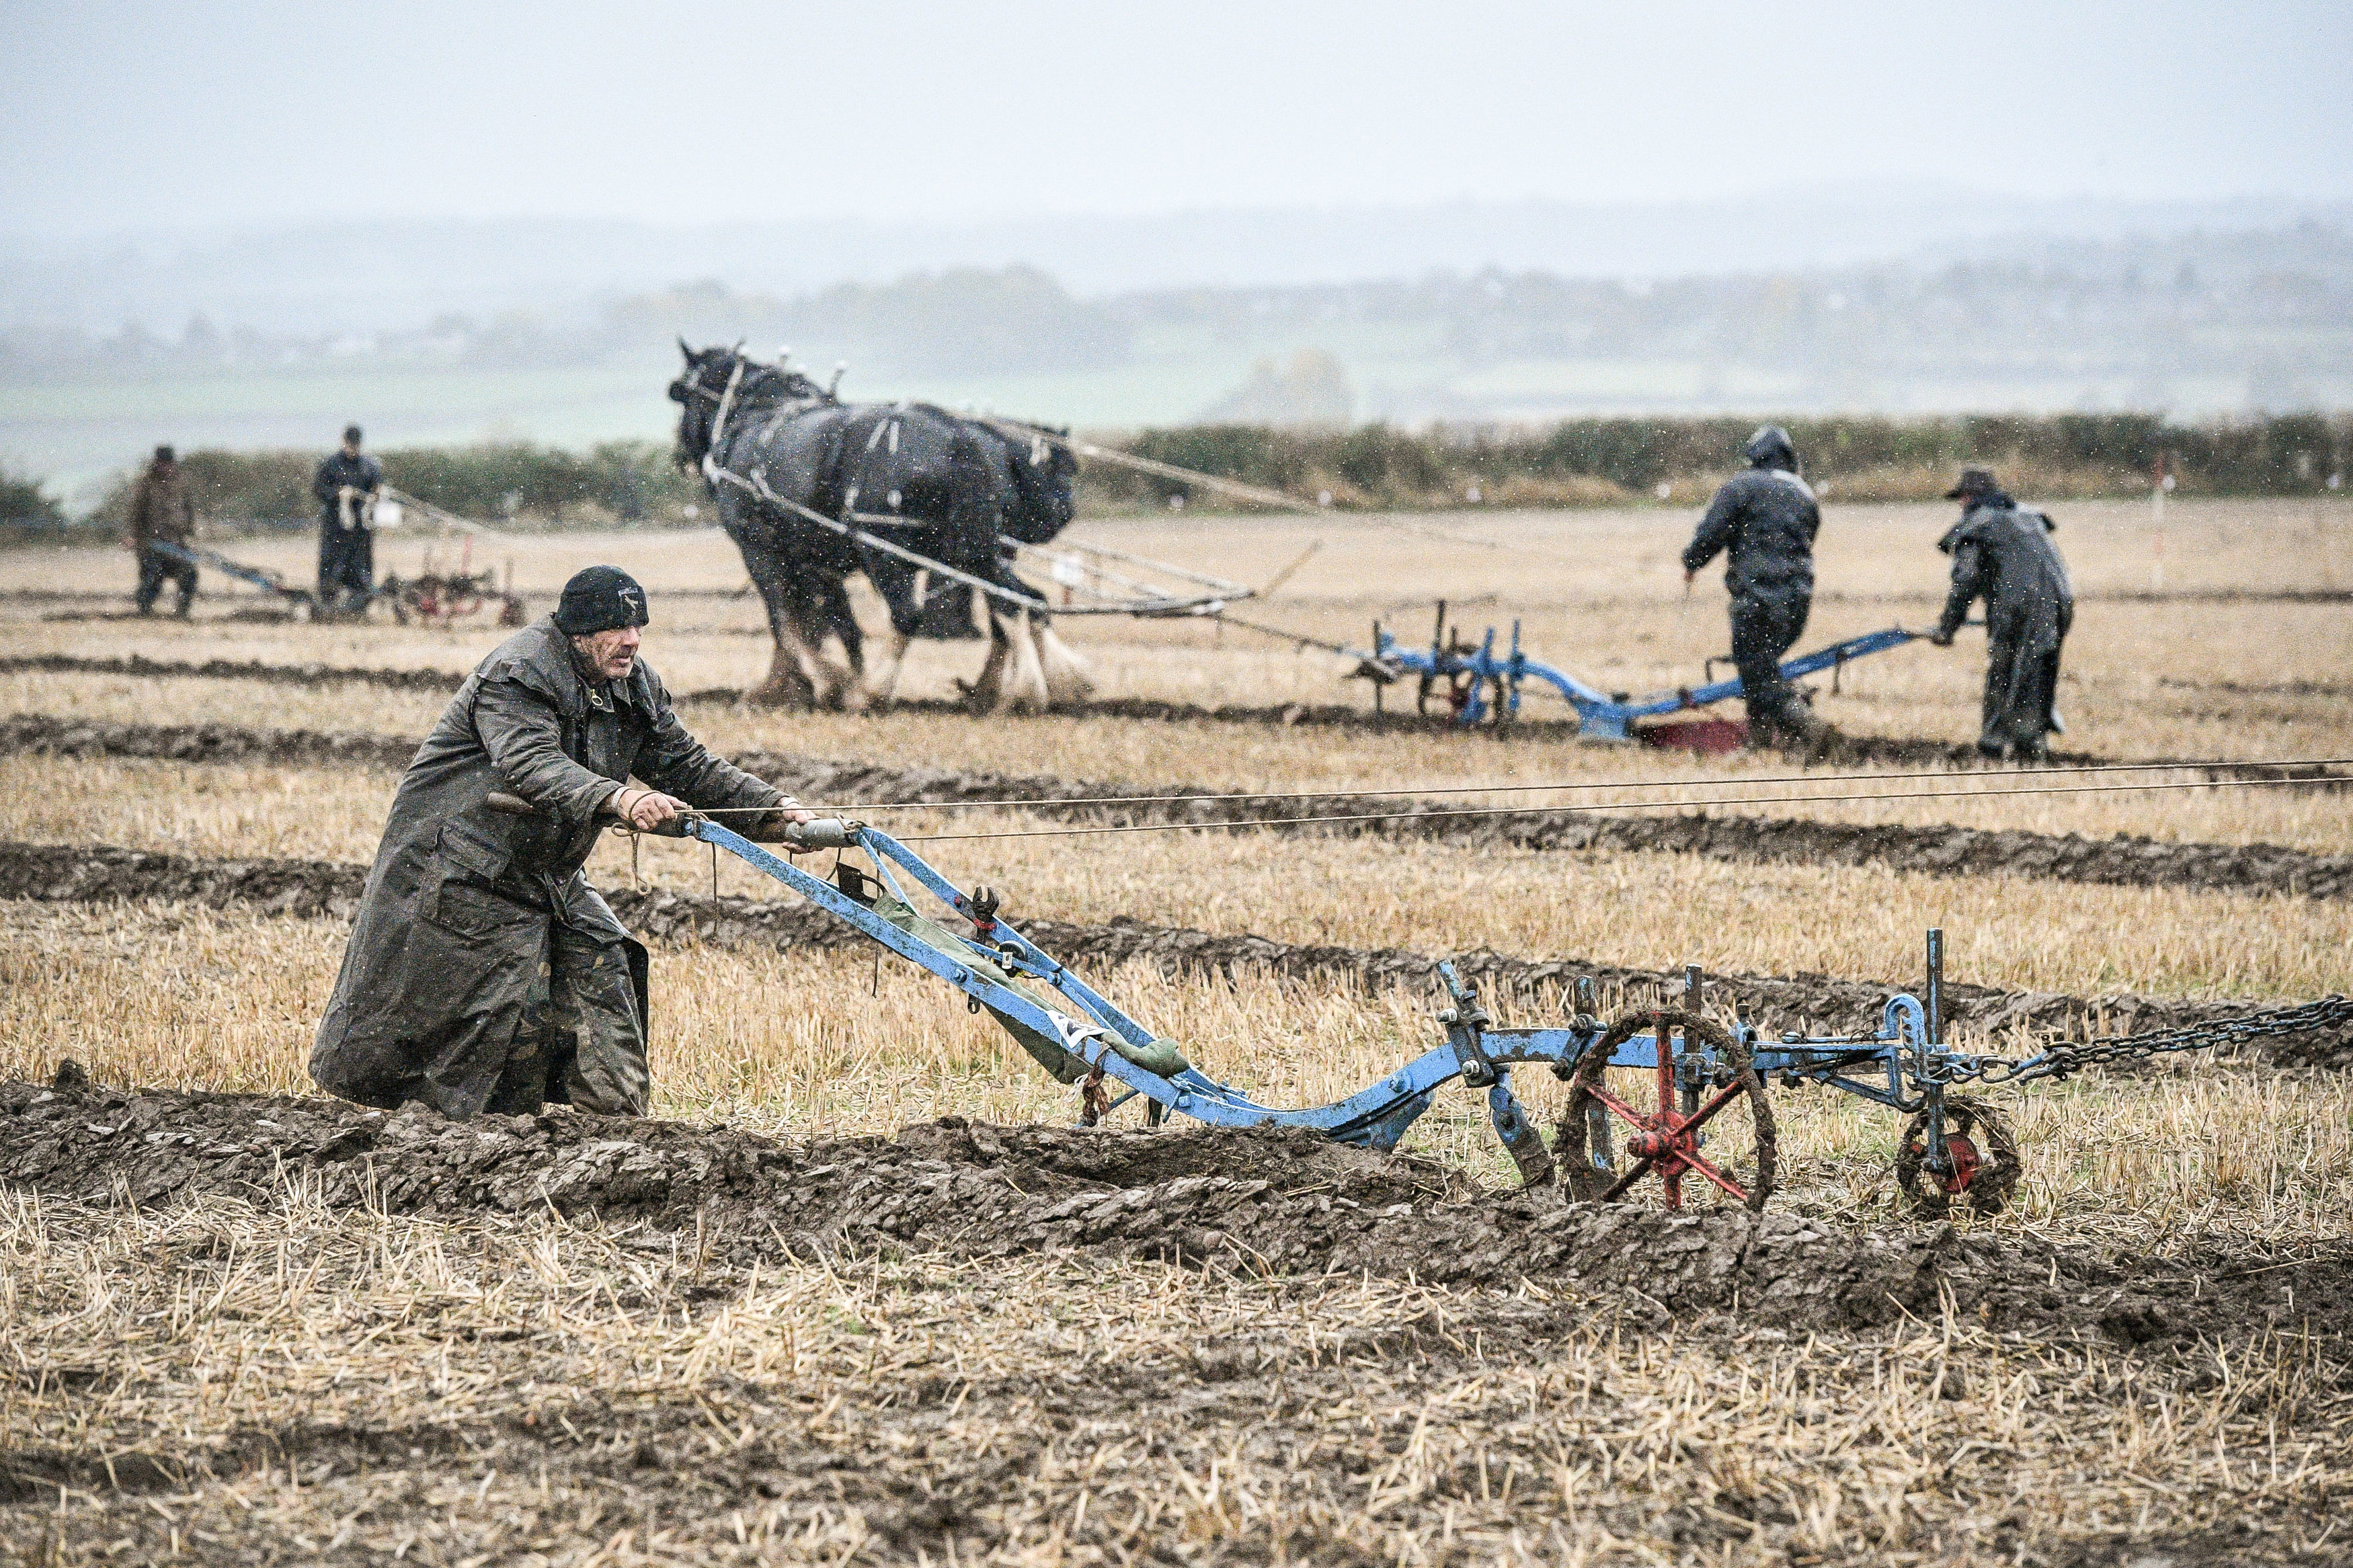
(1714, 533)
(1968, 581)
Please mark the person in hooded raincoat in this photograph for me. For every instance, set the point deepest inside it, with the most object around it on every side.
(1764, 522)
(2003, 553)
(483, 973)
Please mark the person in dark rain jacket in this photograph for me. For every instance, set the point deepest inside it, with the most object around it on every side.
(346, 486)
(483, 972)
(1764, 522)
(2003, 553)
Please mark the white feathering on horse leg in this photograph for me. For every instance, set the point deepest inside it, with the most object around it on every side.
(1067, 680)
(885, 679)
(1025, 691)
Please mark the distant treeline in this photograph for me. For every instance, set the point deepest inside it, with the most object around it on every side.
(614, 482)
(1604, 461)
(1573, 462)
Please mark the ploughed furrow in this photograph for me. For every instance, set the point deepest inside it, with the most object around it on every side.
(233, 669)
(1841, 751)
(1938, 850)
(97, 873)
(40, 734)
(1271, 1200)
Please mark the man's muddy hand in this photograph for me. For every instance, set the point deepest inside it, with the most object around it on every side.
(644, 809)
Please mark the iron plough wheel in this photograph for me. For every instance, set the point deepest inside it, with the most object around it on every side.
(1982, 1153)
(1457, 685)
(1665, 1138)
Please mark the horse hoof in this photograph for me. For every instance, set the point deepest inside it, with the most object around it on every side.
(770, 694)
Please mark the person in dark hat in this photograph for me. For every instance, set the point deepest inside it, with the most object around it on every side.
(1764, 521)
(2002, 553)
(346, 486)
(162, 512)
(483, 973)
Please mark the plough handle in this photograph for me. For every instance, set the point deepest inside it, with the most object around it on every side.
(824, 833)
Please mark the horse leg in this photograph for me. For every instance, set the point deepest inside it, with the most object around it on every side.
(985, 694)
(1018, 686)
(843, 622)
(787, 685)
(884, 679)
(834, 685)
(1067, 680)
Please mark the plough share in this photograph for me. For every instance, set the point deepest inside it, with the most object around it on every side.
(1692, 1069)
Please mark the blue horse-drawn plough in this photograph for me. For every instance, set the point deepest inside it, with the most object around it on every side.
(1479, 684)
(1695, 1081)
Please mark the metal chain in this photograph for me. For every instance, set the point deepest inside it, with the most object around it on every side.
(2075, 1055)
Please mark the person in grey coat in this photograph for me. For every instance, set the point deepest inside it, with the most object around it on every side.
(483, 973)
(2003, 553)
(1764, 522)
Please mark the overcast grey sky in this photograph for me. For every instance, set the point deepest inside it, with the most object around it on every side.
(146, 114)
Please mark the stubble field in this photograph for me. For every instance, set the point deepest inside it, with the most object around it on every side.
(241, 1331)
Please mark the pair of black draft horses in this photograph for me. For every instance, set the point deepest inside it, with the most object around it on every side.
(780, 452)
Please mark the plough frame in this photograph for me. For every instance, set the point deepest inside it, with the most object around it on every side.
(1489, 682)
(1904, 1065)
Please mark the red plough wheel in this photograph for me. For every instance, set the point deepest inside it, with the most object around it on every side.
(1981, 1160)
(1684, 1141)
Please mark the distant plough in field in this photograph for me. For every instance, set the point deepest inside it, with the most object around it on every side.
(320, 888)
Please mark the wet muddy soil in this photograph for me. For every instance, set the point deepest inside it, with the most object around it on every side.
(1268, 1200)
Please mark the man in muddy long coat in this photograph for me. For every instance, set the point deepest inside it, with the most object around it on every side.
(1765, 520)
(483, 972)
(2003, 553)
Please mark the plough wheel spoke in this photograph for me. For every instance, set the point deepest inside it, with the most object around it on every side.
(1664, 1142)
(1723, 1099)
(1626, 1181)
(1698, 1162)
(1620, 1106)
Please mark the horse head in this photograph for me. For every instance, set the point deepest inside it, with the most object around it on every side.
(1044, 469)
(697, 391)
